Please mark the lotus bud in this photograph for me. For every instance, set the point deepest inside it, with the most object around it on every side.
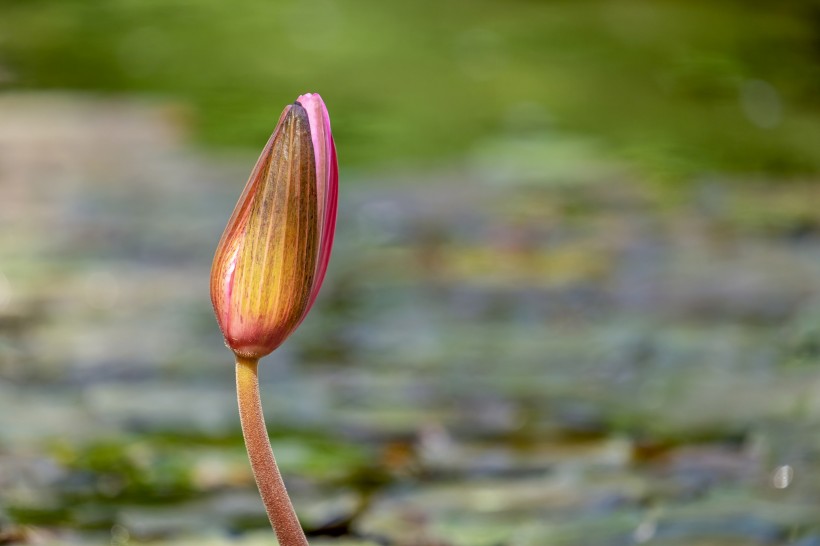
(272, 258)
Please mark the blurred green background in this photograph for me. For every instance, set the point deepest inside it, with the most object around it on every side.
(677, 88)
(574, 297)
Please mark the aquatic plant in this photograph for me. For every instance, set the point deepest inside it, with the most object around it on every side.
(267, 271)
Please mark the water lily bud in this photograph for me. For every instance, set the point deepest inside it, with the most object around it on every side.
(274, 252)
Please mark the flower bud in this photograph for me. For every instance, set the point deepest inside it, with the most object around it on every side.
(274, 252)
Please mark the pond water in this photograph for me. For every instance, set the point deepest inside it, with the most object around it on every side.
(492, 360)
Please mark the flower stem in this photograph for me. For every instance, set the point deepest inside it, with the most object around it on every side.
(268, 479)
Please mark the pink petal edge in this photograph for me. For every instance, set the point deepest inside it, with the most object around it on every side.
(323, 151)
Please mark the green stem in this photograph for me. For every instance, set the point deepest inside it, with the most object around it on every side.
(268, 479)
